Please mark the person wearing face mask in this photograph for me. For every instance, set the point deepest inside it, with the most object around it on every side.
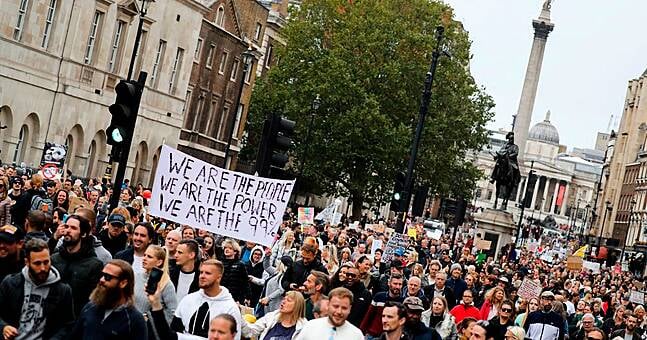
(545, 324)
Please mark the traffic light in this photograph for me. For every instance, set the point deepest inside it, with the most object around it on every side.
(419, 200)
(275, 143)
(398, 192)
(124, 113)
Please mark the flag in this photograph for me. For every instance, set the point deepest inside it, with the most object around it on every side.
(581, 252)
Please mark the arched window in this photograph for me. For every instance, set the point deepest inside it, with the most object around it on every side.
(220, 16)
(21, 145)
(92, 159)
(69, 142)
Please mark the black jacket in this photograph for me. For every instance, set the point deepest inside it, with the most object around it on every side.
(123, 323)
(298, 273)
(235, 279)
(621, 333)
(20, 210)
(127, 255)
(361, 301)
(113, 245)
(421, 332)
(449, 295)
(255, 270)
(80, 270)
(57, 311)
(174, 274)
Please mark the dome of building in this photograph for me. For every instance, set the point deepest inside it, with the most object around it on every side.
(544, 131)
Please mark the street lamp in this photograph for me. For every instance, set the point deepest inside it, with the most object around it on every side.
(604, 221)
(632, 204)
(248, 59)
(574, 219)
(142, 13)
(316, 103)
(586, 219)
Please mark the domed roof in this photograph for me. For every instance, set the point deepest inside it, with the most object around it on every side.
(544, 131)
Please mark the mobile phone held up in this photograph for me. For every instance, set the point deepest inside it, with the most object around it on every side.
(153, 280)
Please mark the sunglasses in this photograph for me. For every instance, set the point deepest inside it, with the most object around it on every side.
(108, 277)
(592, 338)
(351, 275)
(506, 310)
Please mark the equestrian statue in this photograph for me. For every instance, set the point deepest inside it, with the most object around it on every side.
(506, 173)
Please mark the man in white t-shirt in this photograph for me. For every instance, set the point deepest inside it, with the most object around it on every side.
(185, 275)
(335, 326)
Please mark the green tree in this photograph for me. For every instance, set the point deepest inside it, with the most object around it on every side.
(367, 60)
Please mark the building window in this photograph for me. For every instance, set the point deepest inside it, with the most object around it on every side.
(239, 113)
(248, 75)
(140, 54)
(220, 16)
(187, 101)
(257, 33)
(209, 62)
(175, 72)
(22, 17)
(198, 49)
(268, 56)
(95, 27)
(223, 63)
(116, 43)
(49, 22)
(234, 71)
(212, 113)
(159, 58)
(223, 123)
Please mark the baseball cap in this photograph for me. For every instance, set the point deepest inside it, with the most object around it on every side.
(399, 252)
(10, 233)
(117, 219)
(413, 303)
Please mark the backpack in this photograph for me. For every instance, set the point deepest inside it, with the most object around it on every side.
(44, 204)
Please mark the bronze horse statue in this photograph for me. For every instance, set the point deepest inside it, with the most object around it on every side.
(506, 173)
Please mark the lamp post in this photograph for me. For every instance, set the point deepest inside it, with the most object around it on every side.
(586, 219)
(574, 219)
(306, 142)
(604, 221)
(424, 108)
(142, 13)
(247, 57)
(632, 204)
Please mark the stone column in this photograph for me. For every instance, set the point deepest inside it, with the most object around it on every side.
(554, 200)
(520, 190)
(534, 194)
(543, 203)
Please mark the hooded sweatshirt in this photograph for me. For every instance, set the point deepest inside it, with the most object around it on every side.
(196, 310)
(32, 315)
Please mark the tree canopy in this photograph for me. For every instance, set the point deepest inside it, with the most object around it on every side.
(367, 60)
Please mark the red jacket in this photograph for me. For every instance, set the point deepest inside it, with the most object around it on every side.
(461, 311)
(485, 310)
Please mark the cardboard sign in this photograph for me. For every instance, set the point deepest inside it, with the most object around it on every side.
(306, 215)
(189, 191)
(529, 289)
(594, 267)
(377, 244)
(378, 228)
(397, 241)
(435, 234)
(412, 232)
(574, 263)
(637, 297)
(483, 244)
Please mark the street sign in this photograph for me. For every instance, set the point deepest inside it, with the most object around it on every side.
(50, 171)
(53, 153)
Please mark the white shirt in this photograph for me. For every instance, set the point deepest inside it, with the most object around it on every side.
(183, 284)
(138, 266)
(322, 329)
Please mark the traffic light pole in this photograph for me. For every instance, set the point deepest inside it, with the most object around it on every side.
(123, 150)
(424, 108)
(523, 204)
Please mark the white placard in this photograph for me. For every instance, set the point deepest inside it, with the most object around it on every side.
(377, 244)
(594, 267)
(190, 191)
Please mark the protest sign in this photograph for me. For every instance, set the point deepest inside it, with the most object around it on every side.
(529, 289)
(306, 215)
(377, 244)
(637, 297)
(190, 191)
(435, 234)
(574, 263)
(378, 228)
(594, 267)
(396, 241)
(412, 232)
(483, 244)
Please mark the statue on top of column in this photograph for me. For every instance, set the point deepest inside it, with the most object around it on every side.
(548, 4)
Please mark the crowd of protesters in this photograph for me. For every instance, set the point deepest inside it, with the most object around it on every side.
(71, 269)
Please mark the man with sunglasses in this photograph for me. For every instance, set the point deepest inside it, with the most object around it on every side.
(361, 296)
(110, 314)
(499, 325)
(545, 324)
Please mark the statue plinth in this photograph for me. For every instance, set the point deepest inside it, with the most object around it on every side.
(498, 225)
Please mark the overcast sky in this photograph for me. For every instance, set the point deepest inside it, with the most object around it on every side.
(597, 46)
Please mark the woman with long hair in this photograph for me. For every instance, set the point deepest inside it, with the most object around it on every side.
(209, 248)
(283, 247)
(439, 318)
(492, 304)
(155, 257)
(329, 258)
(62, 199)
(464, 328)
(533, 305)
(272, 290)
(284, 323)
(339, 277)
(345, 255)
(5, 202)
